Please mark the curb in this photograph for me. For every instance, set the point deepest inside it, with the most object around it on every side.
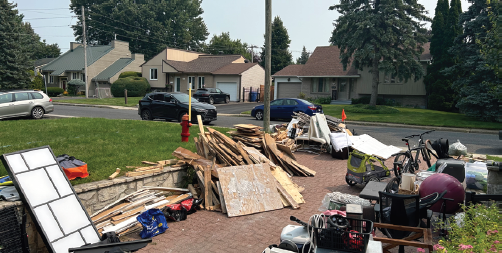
(98, 106)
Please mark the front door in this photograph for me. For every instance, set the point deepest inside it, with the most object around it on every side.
(177, 84)
(333, 94)
(63, 83)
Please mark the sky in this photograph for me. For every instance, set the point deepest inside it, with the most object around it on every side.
(309, 22)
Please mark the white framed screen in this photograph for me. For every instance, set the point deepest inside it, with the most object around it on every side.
(59, 215)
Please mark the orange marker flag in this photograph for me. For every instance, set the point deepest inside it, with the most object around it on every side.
(343, 115)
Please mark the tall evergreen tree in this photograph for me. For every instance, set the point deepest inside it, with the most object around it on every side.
(304, 57)
(474, 78)
(281, 57)
(383, 35)
(14, 54)
(223, 44)
(148, 25)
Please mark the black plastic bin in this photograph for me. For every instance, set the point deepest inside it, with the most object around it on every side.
(354, 238)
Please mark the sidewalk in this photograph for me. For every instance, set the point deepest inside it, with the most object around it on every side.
(451, 129)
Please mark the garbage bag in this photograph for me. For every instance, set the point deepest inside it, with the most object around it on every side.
(457, 149)
(154, 223)
(72, 167)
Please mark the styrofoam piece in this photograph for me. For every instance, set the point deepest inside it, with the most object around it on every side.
(119, 226)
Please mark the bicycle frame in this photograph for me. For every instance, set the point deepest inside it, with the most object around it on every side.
(414, 161)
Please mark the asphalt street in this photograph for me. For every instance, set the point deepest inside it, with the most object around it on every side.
(476, 143)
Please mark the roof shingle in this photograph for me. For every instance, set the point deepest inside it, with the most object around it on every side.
(203, 64)
(325, 61)
(74, 60)
(113, 69)
(234, 68)
(291, 70)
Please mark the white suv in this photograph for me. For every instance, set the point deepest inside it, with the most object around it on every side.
(19, 103)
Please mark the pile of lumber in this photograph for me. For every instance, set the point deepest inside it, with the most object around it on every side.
(303, 119)
(249, 135)
(153, 168)
(120, 216)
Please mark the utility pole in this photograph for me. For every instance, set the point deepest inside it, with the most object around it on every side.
(252, 52)
(268, 61)
(85, 55)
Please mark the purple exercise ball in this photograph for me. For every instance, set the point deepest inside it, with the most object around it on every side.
(440, 182)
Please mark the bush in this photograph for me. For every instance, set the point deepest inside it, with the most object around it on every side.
(381, 109)
(130, 73)
(302, 95)
(136, 87)
(37, 83)
(54, 91)
(74, 85)
(380, 101)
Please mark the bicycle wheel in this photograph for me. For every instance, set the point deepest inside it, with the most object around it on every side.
(402, 164)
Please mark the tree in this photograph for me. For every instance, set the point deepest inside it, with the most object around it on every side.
(14, 55)
(303, 57)
(384, 35)
(148, 25)
(473, 77)
(38, 48)
(223, 44)
(37, 83)
(281, 57)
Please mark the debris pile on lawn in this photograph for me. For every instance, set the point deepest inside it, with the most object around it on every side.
(154, 168)
(120, 216)
(249, 135)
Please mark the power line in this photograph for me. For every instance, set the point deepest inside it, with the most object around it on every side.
(45, 18)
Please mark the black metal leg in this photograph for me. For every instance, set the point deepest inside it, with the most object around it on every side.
(401, 249)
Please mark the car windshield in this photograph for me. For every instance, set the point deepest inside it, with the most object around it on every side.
(183, 98)
(305, 102)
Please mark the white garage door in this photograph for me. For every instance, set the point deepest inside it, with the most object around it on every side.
(288, 90)
(230, 88)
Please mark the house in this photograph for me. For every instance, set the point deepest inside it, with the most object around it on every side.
(177, 70)
(40, 63)
(323, 76)
(104, 65)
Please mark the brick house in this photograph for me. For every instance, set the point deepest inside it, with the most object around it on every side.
(176, 70)
(104, 65)
(323, 76)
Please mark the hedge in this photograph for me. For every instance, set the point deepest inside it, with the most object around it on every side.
(54, 91)
(380, 101)
(136, 87)
(130, 73)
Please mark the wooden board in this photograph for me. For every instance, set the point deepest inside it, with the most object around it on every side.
(286, 196)
(249, 189)
(286, 150)
(222, 199)
(288, 184)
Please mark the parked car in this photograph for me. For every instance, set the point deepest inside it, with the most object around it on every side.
(21, 103)
(283, 108)
(172, 106)
(211, 95)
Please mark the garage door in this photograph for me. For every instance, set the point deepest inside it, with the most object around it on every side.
(288, 90)
(230, 88)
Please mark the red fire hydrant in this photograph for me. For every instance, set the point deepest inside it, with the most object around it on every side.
(185, 133)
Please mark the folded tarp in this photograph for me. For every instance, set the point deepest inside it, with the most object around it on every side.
(371, 146)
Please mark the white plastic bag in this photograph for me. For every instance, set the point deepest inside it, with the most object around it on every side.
(457, 149)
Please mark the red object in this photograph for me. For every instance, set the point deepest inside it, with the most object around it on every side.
(185, 125)
(50, 100)
(72, 173)
(343, 115)
(312, 107)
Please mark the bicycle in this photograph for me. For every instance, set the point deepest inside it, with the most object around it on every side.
(404, 162)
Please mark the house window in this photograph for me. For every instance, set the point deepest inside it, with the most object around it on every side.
(319, 85)
(51, 79)
(191, 82)
(153, 74)
(201, 83)
(75, 75)
(392, 78)
(342, 84)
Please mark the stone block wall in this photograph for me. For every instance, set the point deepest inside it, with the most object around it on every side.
(96, 195)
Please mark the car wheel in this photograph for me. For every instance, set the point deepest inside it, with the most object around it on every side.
(37, 112)
(227, 100)
(146, 115)
(211, 100)
(259, 115)
(180, 116)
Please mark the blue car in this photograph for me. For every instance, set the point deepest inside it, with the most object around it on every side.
(283, 108)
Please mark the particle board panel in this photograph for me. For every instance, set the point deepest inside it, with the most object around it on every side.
(249, 189)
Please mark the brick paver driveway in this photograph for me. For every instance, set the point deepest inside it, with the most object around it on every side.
(206, 231)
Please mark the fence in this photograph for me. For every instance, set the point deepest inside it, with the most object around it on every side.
(251, 94)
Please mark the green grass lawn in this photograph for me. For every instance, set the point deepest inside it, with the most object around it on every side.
(411, 116)
(102, 143)
(246, 112)
(494, 158)
(131, 101)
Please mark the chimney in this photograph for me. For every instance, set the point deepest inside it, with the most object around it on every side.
(74, 45)
(138, 57)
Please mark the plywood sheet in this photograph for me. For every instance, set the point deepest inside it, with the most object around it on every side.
(249, 189)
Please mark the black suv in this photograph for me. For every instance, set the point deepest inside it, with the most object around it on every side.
(212, 95)
(172, 106)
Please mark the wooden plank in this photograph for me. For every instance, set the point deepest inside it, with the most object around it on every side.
(148, 168)
(200, 178)
(286, 150)
(249, 189)
(243, 153)
(127, 214)
(193, 191)
(201, 126)
(115, 174)
(179, 199)
(170, 189)
(150, 163)
(207, 181)
(288, 184)
(222, 200)
(167, 162)
(287, 196)
(107, 212)
(139, 173)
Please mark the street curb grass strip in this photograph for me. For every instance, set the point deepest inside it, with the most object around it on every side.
(363, 123)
